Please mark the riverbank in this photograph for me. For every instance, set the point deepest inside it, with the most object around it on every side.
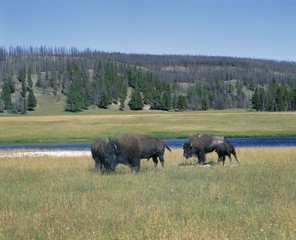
(37, 153)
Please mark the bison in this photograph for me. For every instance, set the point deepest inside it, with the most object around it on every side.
(200, 144)
(98, 154)
(129, 149)
(225, 149)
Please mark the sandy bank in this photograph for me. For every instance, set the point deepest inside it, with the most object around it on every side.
(38, 153)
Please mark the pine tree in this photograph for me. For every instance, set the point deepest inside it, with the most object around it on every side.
(136, 102)
(256, 100)
(7, 89)
(1, 106)
(103, 102)
(6, 97)
(122, 105)
(181, 103)
(292, 100)
(22, 75)
(31, 101)
(73, 102)
(166, 100)
(20, 105)
(30, 82)
(280, 99)
(22, 78)
(204, 102)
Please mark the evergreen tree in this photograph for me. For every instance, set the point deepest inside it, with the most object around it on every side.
(31, 101)
(21, 105)
(22, 78)
(6, 97)
(256, 100)
(103, 102)
(166, 100)
(24, 88)
(204, 102)
(74, 101)
(181, 103)
(7, 89)
(292, 100)
(280, 100)
(21, 75)
(136, 102)
(30, 82)
(271, 96)
(78, 97)
(1, 106)
(122, 105)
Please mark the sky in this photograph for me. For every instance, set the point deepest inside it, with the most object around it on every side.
(264, 29)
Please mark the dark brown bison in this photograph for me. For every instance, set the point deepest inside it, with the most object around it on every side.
(98, 154)
(200, 144)
(129, 149)
(225, 149)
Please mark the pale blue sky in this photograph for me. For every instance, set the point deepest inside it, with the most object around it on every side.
(240, 28)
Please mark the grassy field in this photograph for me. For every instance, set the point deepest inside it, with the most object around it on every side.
(64, 198)
(85, 127)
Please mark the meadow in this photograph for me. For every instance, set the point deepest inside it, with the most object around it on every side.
(64, 198)
(87, 126)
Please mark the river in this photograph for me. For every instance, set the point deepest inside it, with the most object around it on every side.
(173, 143)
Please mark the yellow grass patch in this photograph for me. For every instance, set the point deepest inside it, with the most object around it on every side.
(62, 197)
(69, 128)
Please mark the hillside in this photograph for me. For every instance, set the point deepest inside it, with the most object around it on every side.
(72, 80)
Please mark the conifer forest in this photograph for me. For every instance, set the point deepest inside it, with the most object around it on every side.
(141, 81)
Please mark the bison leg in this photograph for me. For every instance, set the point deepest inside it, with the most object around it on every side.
(136, 165)
(155, 161)
(234, 154)
(219, 157)
(201, 158)
(229, 157)
(98, 165)
(161, 159)
(223, 159)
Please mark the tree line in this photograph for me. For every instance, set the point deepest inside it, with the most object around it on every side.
(25, 100)
(276, 97)
(109, 84)
(162, 82)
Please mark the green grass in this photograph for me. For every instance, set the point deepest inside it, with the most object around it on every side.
(84, 127)
(64, 198)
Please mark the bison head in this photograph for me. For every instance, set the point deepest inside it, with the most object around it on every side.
(188, 150)
(111, 154)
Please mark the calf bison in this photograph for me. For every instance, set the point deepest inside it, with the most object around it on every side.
(200, 144)
(98, 154)
(129, 149)
(225, 149)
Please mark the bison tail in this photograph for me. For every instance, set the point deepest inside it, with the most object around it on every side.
(168, 148)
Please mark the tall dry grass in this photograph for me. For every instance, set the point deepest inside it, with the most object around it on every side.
(64, 198)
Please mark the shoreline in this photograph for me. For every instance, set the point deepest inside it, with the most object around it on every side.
(46, 153)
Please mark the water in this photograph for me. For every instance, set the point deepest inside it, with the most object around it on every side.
(245, 142)
(172, 143)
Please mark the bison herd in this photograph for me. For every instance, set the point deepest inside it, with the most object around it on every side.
(129, 149)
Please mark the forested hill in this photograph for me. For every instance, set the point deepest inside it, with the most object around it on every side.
(135, 81)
